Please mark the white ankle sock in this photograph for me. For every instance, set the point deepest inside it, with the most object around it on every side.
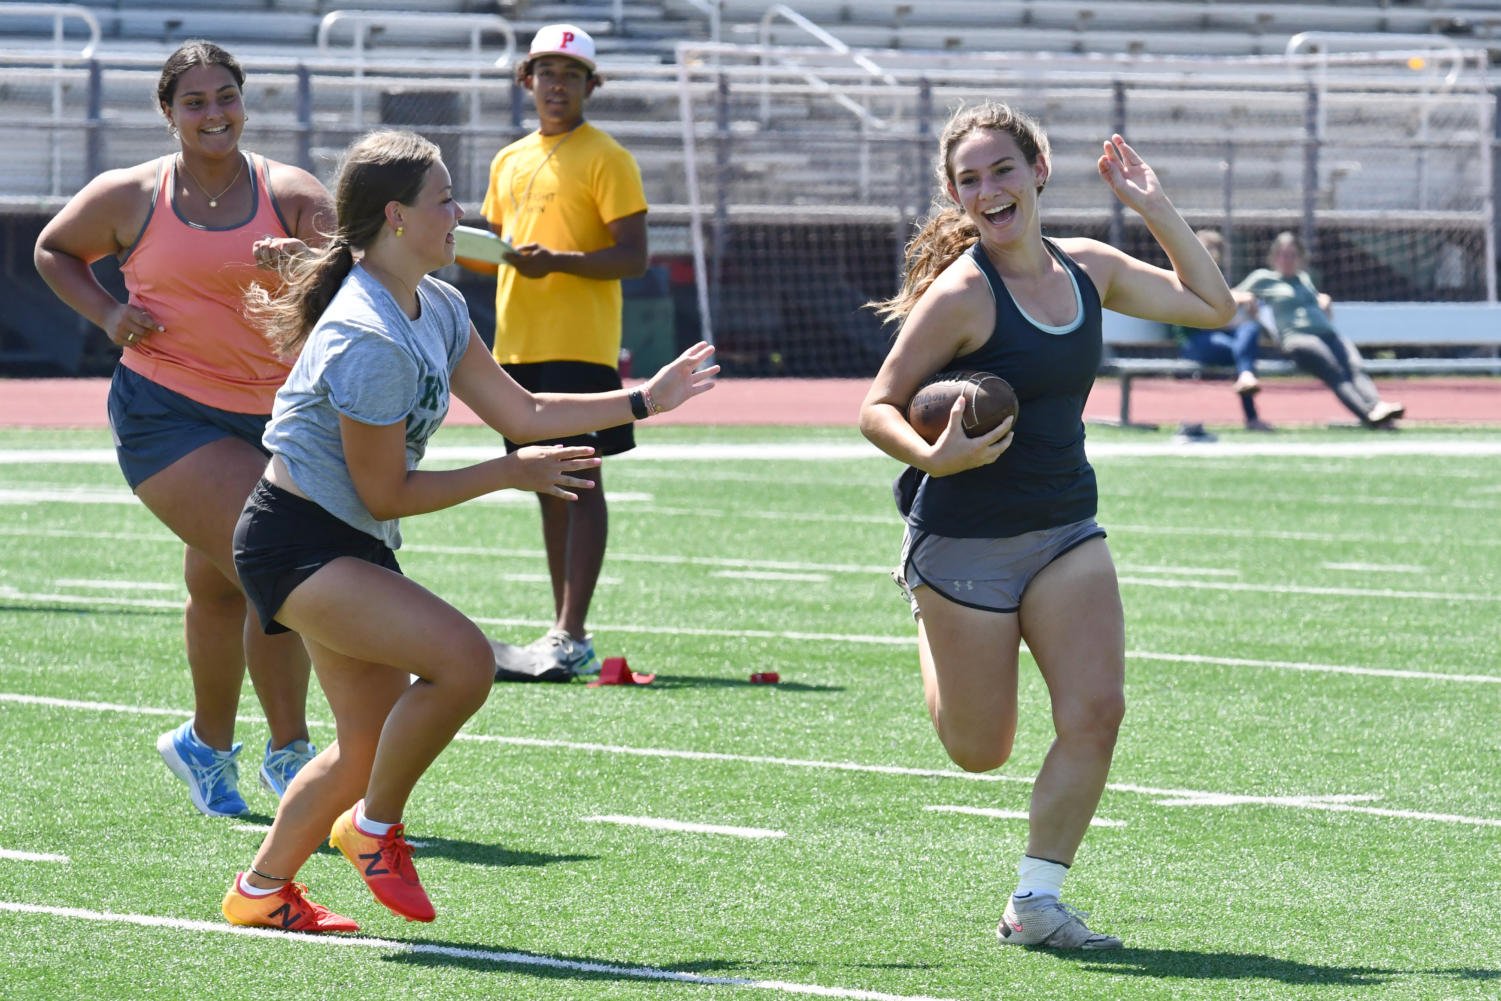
(253, 891)
(372, 827)
(1037, 877)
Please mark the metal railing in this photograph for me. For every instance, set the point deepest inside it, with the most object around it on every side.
(364, 23)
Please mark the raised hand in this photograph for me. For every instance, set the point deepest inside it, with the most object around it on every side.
(682, 378)
(545, 469)
(1128, 175)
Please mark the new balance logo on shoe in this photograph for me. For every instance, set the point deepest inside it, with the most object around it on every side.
(371, 870)
(286, 915)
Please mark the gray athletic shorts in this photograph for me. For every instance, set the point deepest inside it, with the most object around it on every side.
(988, 574)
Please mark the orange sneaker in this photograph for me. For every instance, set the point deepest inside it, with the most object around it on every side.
(385, 863)
(288, 909)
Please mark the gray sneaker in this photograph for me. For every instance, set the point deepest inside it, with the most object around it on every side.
(521, 663)
(577, 656)
(1050, 923)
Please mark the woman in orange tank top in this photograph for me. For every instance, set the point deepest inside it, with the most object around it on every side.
(189, 401)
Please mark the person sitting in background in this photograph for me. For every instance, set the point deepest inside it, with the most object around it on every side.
(1302, 316)
(1234, 344)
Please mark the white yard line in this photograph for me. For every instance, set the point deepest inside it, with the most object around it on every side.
(13, 594)
(980, 811)
(1375, 567)
(18, 856)
(498, 957)
(121, 585)
(661, 824)
(771, 575)
(1344, 802)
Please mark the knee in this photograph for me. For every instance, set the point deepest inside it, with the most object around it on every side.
(1096, 719)
(472, 674)
(977, 753)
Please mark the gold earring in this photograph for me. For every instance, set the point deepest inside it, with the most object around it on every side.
(398, 230)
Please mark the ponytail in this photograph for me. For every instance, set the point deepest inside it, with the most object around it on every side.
(943, 239)
(309, 281)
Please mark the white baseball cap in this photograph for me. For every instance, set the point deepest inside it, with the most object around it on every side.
(563, 40)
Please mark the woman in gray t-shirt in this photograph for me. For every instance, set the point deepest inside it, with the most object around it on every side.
(382, 344)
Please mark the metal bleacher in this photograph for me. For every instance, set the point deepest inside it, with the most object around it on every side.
(62, 119)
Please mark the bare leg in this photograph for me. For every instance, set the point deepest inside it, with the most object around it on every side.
(969, 659)
(362, 621)
(1072, 620)
(199, 497)
(575, 534)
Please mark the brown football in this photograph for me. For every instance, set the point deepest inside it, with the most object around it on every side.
(988, 400)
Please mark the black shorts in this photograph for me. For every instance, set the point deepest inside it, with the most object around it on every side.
(282, 539)
(574, 377)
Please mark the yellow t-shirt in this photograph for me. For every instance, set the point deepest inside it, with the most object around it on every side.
(560, 191)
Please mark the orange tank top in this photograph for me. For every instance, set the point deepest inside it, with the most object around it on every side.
(192, 279)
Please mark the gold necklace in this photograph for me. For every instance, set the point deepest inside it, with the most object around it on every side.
(213, 200)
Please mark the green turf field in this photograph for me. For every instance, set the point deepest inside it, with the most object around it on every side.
(1305, 802)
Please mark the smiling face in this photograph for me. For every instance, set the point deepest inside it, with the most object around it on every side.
(427, 224)
(991, 180)
(208, 110)
(559, 86)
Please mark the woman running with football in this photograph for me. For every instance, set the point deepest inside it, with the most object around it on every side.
(1001, 543)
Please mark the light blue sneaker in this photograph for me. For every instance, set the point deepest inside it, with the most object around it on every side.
(212, 776)
(281, 765)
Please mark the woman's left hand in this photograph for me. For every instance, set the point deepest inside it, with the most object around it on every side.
(1128, 175)
(682, 379)
(271, 251)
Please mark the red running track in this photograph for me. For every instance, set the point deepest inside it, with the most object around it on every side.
(79, 403)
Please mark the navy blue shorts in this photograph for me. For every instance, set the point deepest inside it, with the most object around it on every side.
(282, 539)
(574, 377)
(153, 427)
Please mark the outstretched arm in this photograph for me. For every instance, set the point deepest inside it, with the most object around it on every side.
(1193, 293)
(521, 416)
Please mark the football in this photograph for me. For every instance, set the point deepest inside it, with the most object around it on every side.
(988, 400)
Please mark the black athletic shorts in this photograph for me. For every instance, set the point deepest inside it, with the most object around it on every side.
(574, 377)
(282, 539)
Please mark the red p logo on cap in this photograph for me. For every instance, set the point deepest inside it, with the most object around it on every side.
(567, 39)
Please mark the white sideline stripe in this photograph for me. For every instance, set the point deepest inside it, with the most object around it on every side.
(1292, 665)
(9, 591)
(495, 956)
(85, 495)
(809, 578)
(1376, 567)
(110, 585)
(1206, 531)
(661, 559)
(1326, 802)
(980, 811)
(1342, 592)
(18, 856)
(660, 824)
(896, 641)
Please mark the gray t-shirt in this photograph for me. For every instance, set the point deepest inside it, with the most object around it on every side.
(366, 360)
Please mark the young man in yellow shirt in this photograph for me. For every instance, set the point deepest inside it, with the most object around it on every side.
(569, 199)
